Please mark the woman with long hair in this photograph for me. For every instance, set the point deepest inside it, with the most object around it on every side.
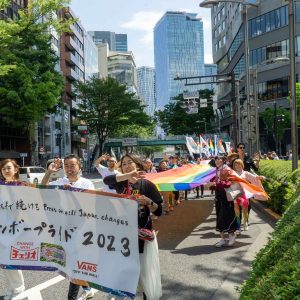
(131, 182)
(15, 282)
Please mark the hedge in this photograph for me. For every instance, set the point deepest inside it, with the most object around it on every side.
(276, 270)
(275, 273)
(282, 184)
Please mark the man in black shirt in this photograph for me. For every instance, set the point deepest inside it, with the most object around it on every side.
(249, 162)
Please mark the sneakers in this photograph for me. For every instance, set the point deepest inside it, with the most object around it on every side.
(220, 243)
(231, 239)
(246, 226)
(87, 294)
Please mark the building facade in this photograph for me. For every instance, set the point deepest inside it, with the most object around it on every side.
(210, 69)
(121, 66)
(268, 36)
(11, 12)
(73, 69)
(116, 41)
(146, 88)
(178, 52)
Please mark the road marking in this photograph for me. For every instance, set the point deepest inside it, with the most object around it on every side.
(35, 292)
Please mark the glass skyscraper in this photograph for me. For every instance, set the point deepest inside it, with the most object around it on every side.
(116, 41)
(146, 88)
(178, 51)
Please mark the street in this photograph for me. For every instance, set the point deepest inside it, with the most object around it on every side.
(191, 266)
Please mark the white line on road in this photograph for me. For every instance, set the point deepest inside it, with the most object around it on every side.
(35, 292)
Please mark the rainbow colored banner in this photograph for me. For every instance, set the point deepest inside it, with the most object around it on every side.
(183, 178)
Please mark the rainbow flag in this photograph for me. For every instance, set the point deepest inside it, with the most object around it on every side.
(183, 178)
(211, 147)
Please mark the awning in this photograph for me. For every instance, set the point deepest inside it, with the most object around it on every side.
(9, 154)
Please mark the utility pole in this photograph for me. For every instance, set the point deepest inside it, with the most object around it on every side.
(257, 137)
(234, 109)
(275, 125)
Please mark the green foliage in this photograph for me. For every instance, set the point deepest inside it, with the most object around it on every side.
(149, 151)
(282, 185)
(107, 108)
(276, 270)
(173, 115)
(30, 86)
(268, 117)
(134, 130)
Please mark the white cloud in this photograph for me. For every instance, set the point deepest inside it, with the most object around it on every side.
(143, 20)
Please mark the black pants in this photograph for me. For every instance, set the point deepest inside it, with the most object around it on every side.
(73, 291)
(202, 190)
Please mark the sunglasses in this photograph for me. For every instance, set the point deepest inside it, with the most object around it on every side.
(241, 147)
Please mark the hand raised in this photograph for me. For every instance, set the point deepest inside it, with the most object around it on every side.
(55, 165)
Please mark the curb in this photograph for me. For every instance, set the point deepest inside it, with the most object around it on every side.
(265, 210)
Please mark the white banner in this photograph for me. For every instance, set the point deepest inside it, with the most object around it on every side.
(191, 145)
(85, 235)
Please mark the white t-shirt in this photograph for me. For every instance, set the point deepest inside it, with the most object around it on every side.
(104, 172)
(81, 183)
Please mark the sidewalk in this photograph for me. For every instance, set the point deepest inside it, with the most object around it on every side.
(191, 266)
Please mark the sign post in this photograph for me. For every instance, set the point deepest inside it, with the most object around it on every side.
(23, 155)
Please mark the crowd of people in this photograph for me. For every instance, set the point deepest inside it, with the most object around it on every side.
(128, 177)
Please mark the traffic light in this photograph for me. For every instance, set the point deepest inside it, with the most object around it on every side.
(84, 132)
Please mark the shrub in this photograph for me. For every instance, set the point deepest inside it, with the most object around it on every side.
(276, 270)
(281, 183)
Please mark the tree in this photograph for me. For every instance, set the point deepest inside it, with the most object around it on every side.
(107, 108)
(282, 119)
(30, 87)
(174, 119)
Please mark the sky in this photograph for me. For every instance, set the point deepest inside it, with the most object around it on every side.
(137, 18)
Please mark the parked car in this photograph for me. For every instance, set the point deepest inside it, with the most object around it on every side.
(32, 174)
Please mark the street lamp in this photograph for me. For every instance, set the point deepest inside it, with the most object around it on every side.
(210, 3)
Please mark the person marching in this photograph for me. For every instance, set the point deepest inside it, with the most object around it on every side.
(106, 171)
(226, 221)
(72, 167)
(131, 182)
(15, 282)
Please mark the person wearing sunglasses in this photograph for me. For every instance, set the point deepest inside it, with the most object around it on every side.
(249, 162)
(106, 171)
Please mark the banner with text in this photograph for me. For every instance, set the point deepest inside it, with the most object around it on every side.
(89, 237)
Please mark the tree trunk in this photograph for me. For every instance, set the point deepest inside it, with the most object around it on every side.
(33, 145)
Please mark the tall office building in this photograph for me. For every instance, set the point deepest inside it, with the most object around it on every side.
(210, 69)
(178, 51)
(121, 66)
(146, 88)
(268, 46)
(90, 57)
(116, 41)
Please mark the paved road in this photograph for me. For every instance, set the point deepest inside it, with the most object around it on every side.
(191, 267)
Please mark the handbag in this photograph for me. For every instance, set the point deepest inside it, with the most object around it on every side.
(233, 192)
(150, 270)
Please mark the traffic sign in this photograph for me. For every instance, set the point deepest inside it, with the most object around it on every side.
(23, 154)
(82, 127)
